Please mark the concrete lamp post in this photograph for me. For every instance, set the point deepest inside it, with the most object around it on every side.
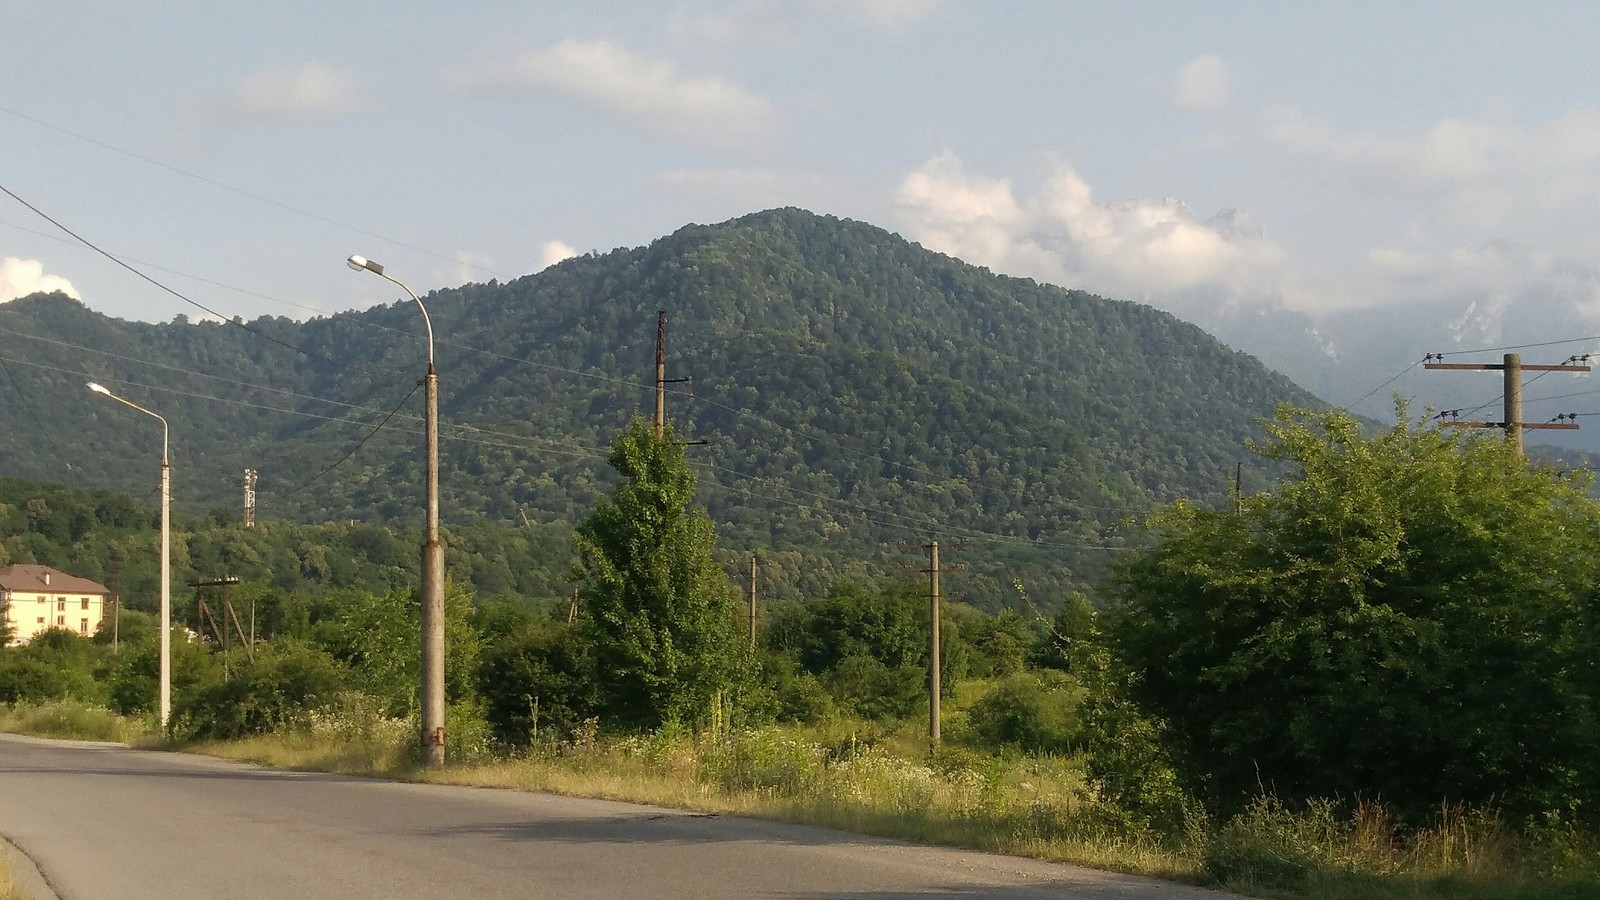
(166, 558)
(432, 692)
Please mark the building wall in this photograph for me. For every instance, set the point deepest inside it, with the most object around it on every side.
(30, 613)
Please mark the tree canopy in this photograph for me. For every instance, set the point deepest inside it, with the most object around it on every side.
(1409, 616)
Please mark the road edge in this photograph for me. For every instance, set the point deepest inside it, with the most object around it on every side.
(26, 877)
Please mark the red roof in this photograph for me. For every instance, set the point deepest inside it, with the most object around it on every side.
(31, 578)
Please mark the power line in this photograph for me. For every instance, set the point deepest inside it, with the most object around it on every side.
(244, 193)
(85, 241)
(1592, 337)
(1392, 380)
(348, 453)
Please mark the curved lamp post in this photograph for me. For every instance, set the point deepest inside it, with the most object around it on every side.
(432, 692)
(166, 558)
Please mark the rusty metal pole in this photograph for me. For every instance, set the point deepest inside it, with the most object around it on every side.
(433, 703)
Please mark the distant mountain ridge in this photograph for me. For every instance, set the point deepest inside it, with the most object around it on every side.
(856, 390)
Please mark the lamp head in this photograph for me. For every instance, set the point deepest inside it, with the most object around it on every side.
(99, 389)
(361, 263)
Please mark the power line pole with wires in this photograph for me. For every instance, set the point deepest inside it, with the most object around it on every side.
(933, 571)
(661, 373)
(1512, 367)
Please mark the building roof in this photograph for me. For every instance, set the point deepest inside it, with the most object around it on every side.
(32, 578)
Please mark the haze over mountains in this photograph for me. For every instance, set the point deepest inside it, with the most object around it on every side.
(856, 390)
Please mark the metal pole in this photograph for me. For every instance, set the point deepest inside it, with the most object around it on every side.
(933, 648)
(166, 583)
(1513, 400)
(431, 693)
(164, 692)
(433, 705)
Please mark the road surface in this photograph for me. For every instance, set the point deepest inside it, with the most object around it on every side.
(103, 822)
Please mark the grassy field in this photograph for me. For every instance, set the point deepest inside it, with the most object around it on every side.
(878, 781)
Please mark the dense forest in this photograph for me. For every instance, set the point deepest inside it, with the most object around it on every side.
(855, 389)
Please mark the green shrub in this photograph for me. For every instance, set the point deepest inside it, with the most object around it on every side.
(279, 690)
(867, 688)
(762, 760)
(133, 679)
(1270, 846)
(27, 679)
(544, 671)
(1034, 711)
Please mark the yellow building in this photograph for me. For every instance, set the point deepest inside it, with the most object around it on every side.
(34, 598)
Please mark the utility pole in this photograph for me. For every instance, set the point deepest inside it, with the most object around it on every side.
(1512, 367)
(752, 601)
(1238, 488)
(572, 608)
(249, 498)
(933, 571)
(661, 375)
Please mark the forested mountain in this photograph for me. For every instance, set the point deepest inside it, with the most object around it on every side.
(856, 390)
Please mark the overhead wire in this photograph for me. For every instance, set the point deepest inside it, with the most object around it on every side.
(244, 193)
(196, 304)
(1392, 379)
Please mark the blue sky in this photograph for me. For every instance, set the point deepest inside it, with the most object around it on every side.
(1375, 154)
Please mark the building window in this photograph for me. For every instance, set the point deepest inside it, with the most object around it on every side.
(41, 620)
(61, 621)
(42, 598)
(86, 606)
(61, 605)
(83, 626)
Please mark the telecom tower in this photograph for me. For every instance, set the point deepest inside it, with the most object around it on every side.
(249, 498)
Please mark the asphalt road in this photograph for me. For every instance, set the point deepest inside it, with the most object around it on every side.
(104, 821)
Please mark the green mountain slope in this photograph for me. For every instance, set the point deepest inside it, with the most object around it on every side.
(857, 391)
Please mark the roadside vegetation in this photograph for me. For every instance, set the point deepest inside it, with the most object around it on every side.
(1378, 680)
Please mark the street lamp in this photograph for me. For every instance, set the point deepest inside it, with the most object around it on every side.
(432, 553)
(166, 558)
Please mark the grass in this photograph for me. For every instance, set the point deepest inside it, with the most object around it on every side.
(877, 780)
(74, 720)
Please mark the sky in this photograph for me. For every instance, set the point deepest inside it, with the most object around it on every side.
(1317, 157)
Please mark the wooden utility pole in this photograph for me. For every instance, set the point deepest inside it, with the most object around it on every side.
(933, 571)
(661, 372)
(1512, 367)
(752, 601)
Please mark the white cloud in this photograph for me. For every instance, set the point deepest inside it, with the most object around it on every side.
(311, 93)
(649, 94)
(21, 277)
(1488, 282)
(1061, 233)
(1205, 84)
(779, 23)
(1473, 172)
(886, 15)
(555, 251)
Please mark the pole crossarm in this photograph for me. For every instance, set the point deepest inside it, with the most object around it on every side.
(1532, 426)
(1483, 367)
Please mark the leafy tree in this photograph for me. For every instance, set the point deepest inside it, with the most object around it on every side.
(658, 609)
(1409, 616)
(378, 636)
